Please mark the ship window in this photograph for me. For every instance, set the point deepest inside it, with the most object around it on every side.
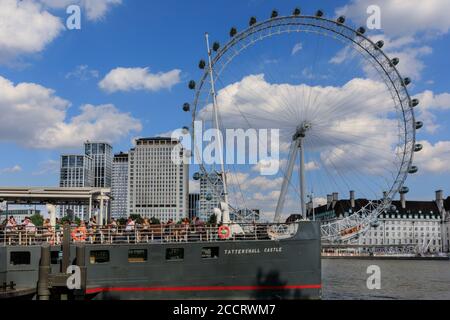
(137, 255)
(99, 256)
(55, 257)
(210, 253)
(174, 254)
(18, 258)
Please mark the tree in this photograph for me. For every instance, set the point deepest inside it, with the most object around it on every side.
(137, 218)
(67, 219)
(154, 220)
(37, 220)
(212, 219)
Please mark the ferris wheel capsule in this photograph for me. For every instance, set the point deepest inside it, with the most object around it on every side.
(379, 44)
(341, 20)
(208, 197)
(191, 85)
(394, 62)
(186, 107)
(361, 30)
(414, 103)
(419, 125)
(319, 13)
(274, 14)
(404, 190)
(185, 130)
(196, 176)
(406, 82)
(413, 169)
(252, 21)
(202, 64)
(216, 46)
(296, 12)
(233, 32)
(418, 147)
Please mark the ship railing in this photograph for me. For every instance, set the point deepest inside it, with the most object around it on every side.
(146, 234)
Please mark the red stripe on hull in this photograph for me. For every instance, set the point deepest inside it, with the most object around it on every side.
(204, 288)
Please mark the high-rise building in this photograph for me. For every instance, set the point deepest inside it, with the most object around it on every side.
(102, 156)
(76, 171)
(194, 205)
(211, 194)
(157, 186)
(119, 187)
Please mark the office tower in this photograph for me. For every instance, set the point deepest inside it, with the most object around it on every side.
(158, 187)
(194, 205)
(211, 194)
(102, 156)
(119, 187)
(76, 171)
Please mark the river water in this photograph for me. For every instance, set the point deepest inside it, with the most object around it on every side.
(400, 279)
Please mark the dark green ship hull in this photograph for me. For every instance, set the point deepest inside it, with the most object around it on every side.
(263, 269)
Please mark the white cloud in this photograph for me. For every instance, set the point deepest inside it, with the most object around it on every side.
(403, 17)
(25, 28)
(33, 116)
(13, 169)
(434, 158)
(47, 167)
(82, 72)
(405, 48)
(127, 79)
(298, 47)
(429, 104)
(95, 9)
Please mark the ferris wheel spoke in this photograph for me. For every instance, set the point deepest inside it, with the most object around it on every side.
(355, 169)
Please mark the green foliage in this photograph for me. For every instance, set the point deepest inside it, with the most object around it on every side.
(37, 220)
(122, 221)
(137, 218)
(212, 219)
(155, 221)
(65, 219)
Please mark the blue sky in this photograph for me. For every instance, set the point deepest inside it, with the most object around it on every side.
(168, 36)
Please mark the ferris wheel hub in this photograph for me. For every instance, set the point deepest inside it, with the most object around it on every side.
(301, 130)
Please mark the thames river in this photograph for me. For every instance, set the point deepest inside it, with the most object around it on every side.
(400, 279)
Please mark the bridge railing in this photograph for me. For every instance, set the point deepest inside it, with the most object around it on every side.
(23, 236)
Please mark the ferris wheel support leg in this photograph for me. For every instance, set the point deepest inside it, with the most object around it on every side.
(302, 178)
(286, 179)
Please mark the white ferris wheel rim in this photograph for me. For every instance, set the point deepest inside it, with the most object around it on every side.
(260, 31)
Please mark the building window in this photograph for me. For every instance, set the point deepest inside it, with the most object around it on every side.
(20, 258)
(99, 256)
(174, 254)
(137, 255)
(210, 253)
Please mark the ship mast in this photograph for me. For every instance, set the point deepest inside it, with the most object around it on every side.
(225, 214)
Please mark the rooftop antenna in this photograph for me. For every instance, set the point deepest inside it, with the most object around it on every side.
(225, 207)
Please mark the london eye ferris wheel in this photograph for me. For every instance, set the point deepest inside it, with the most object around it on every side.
(344, 117)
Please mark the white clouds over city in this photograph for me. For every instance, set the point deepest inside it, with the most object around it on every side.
(25, 28)
(132, 79)
(44, 122)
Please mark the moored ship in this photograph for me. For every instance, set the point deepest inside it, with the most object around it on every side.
(264, 261)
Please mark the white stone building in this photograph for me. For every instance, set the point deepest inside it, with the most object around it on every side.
(158, 187)
(422, 224)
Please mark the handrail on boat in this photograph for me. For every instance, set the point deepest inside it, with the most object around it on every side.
(155, 233)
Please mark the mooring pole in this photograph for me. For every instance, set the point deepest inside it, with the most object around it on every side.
(43, 291)
(66, 248)
(81, 263)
